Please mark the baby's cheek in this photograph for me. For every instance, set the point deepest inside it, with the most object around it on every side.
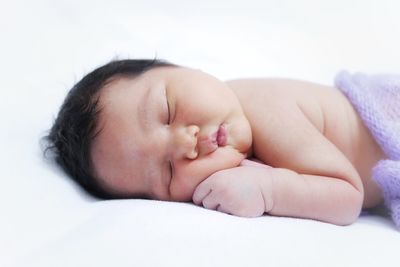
(182, 188)
(186, 180)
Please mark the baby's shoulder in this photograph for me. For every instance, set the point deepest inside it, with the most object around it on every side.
(282, 109)
(272, 89)
(285, 97)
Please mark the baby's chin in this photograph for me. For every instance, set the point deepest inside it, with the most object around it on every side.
(241, 137)
(243, 149)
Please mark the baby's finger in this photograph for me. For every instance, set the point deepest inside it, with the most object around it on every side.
(211, 202)
(201, 191)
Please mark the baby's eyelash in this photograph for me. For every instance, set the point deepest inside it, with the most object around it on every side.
(169, 112)
(171, 169)
(168, 109)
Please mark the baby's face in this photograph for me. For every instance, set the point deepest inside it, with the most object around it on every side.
(166, 131)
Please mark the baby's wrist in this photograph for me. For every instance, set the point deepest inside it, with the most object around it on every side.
(268, 197)
(266, 183)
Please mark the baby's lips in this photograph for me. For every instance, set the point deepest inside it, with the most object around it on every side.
(222, 135)
(206, 145)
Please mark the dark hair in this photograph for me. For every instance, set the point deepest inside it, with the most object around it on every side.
(75, 127)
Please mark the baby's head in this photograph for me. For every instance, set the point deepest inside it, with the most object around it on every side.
(150, 129)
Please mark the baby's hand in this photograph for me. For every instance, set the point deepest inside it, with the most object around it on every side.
(237, 191)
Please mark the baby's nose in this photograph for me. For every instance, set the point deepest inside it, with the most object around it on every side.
(187, 142)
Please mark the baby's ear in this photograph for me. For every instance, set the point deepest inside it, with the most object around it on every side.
(254, 163)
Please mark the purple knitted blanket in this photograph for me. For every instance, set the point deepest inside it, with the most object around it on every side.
(377, 100)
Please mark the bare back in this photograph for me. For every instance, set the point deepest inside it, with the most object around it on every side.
(326, 108)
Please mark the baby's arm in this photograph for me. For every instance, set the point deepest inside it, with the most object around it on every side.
(253, 188)
(312, 196)
(312, 178)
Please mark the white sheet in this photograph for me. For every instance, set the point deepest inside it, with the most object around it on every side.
(46, 220)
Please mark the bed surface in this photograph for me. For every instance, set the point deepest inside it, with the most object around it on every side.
(47, 220)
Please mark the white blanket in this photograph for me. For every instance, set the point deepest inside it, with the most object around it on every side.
(46, 220)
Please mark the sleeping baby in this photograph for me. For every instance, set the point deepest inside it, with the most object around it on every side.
(248, 147)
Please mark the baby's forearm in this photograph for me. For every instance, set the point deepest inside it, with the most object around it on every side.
(322, 198)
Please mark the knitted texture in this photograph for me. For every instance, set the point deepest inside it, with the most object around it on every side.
(377, 99)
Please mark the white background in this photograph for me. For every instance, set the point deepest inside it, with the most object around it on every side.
(46, 46)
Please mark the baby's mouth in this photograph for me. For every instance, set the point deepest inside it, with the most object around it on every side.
(211, 143)
(222, 135)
